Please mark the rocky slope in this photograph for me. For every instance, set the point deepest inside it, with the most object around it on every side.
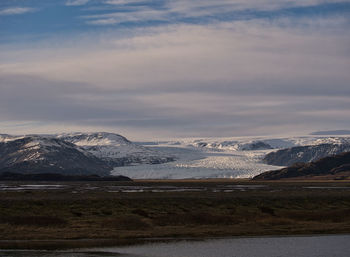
(289, 156)
(329, 167)
(40, 154)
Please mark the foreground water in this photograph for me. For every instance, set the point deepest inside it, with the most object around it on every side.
(310, 246)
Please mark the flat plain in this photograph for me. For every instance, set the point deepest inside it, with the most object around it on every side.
(79, 214)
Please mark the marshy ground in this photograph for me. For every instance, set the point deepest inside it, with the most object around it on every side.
(77, 214)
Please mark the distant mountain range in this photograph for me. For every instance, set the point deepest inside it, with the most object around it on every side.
(332, 167)
(251, 144)
(72, 154)
(282, 151)
(100, 153)
(331, 132)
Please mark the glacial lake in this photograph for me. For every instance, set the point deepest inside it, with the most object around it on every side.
(300, 246)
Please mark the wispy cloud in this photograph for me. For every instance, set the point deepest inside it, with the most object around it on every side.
(137, 15)
(195, 11)
(16, 10)
(185, 6)
(123, 2)
(76, 2)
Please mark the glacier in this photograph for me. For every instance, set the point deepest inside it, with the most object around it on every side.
(234, 157)
(187, 158)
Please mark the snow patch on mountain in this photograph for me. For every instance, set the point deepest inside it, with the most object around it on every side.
(290, 156)
(94, 139)
(116, 149)
(7, 138)
(37, 154)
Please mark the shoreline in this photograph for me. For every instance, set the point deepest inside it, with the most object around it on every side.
(81, 244)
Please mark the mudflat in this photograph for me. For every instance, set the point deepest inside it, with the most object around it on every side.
(77, 214)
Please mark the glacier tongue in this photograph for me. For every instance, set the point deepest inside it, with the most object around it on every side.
(237, 157)
(199, 163)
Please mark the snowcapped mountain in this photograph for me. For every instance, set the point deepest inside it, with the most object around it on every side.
(116, 149)
(38, 154)
(242, 144)
(6, 138)
(289, 156)
(263, 143)
(74, 154)
(97, 138)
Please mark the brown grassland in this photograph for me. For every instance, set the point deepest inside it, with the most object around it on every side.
(77, 217)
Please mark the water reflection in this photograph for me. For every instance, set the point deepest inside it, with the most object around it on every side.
(318, 246)
(313, 246)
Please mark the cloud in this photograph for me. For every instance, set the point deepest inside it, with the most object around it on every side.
(123, 2)
(108, 21)
(76, 2)
(46, 103)
(139, 15)
(196, 11)
(188, 7)
(16, 10)
(227, 78)
(239, 57)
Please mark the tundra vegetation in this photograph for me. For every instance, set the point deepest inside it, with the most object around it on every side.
(73, 215)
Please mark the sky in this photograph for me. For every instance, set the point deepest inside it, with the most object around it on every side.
(174, 68)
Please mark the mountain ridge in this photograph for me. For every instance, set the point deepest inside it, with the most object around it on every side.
(37, 154)
(330, 166)
(308, 153)
(332, 132)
